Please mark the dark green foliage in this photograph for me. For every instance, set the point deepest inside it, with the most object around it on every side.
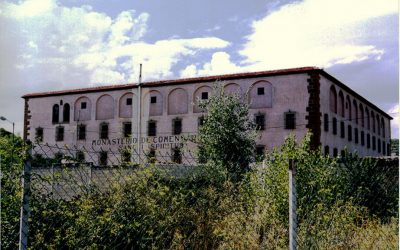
(371, 183)
(394, 147)
(11, 170)
(227, 138)
(346, 204)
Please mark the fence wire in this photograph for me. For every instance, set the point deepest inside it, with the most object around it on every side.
(156, 201)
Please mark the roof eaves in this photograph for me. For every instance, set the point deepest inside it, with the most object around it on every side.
(352, 92)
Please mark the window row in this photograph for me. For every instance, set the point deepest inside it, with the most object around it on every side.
(289, 120)
(260, 96)
(104, 130)
(356, 112)
(81, 132)
(381, 146)
(353, 134)
(176, 156)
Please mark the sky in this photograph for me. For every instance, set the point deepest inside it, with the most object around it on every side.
(48, 45)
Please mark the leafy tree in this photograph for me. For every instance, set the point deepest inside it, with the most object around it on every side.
(226, 140)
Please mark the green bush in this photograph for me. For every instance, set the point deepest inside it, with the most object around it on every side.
(11, 156)
(152, 210)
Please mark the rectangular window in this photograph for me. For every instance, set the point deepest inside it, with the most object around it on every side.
(334, 125)
(126, 155)
(83, 105)
(342, 132)
(379, 145)
(290, 120)
(204, 95)
(368, 141)
(389, 148)
(355, 135)
(103, 158)
(129, 101)
(151, 156)
(200, 121)
(59, 133)
(349, 133)
(177, 126)
(80, 156)
(326, 123)
(383, 148)
(153, 99)
(104, 131)
(127, 129)
(81, 132)
(373, 143)
(39, 134)
(152, 128)
(260, 122)
(260, 152)
(335, 152)
(362, 138)
(177, 155)
(326, 150)
(260, 91)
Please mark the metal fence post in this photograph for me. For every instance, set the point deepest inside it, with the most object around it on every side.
(25, 210)
(292, 206)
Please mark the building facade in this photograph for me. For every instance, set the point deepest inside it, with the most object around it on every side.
(282, 102)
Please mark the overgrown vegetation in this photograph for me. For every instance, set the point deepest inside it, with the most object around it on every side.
(11, 170)
(227, 203)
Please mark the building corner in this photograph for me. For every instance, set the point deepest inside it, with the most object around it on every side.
(313, 116)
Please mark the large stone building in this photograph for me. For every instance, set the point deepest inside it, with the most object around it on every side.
(281, 101)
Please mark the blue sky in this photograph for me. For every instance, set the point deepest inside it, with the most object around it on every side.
(54, 45)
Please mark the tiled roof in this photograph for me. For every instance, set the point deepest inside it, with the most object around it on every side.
(174, 82)
(209, 79)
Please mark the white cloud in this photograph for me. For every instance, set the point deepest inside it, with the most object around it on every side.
(315, 32)
(92, 45)
(220, 64)
(28, 8)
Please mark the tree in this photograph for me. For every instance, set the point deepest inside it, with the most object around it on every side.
(227, 136)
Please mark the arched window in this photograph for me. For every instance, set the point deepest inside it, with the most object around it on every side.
(66, 113)
(348, 108)
(373, 121)
(82, 109)
(260, 95)
(232, 88)
(126, 102)
(178, 101)
(361, 112)
(378, 124)
(355, 112)
(105, 107)
(332, 100)
(367, 120)
(155, 102)
(55, 113)
(201, 93)
(341, 104)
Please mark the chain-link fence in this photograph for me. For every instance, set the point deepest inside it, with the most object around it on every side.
(95, 198)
